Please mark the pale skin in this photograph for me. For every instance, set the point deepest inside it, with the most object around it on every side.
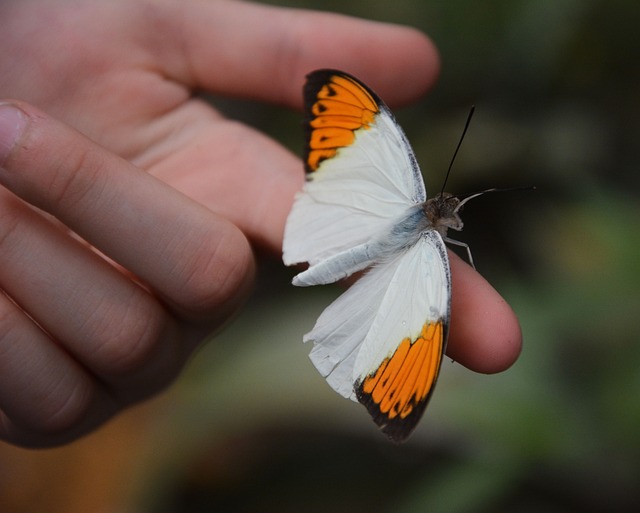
(166, 198)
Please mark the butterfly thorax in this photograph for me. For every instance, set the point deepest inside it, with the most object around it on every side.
(442, 211)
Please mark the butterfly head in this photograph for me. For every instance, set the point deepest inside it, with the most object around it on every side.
(442, 211)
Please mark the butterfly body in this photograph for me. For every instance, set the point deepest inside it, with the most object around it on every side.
(437, 214)
(364, 208)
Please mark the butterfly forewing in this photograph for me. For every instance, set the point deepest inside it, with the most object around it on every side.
(361, 171)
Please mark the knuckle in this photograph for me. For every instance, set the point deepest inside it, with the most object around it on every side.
(125, 337)
(70, 180)
(215, 275)
(9, 325)
(55, 410)
(64, 407)
(37, 396)
(10, 219)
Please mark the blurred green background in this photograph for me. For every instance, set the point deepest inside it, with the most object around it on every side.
(252, 427)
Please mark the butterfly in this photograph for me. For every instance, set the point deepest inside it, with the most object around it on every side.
(364, 207)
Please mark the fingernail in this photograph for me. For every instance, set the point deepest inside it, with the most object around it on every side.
(12, 122)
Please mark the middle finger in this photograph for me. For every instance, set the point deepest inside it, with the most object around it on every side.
(198, 262)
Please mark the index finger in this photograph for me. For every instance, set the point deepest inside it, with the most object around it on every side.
(263, 52)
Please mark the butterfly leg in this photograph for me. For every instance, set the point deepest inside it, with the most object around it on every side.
(463, 245)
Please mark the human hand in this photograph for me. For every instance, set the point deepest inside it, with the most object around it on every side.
(82, 335)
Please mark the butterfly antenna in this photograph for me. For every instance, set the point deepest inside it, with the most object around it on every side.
(469, 196)
(466, 126)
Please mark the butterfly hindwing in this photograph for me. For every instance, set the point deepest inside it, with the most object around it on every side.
(381, 342)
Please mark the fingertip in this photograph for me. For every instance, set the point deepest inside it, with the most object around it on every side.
(414, 64)
(218, 276)
(485, 334)
(400, 63)
(501, 342)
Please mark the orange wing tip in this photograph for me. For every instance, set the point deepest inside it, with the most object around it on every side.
(336, 106)
(397, 392)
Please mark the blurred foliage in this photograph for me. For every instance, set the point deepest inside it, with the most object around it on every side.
(252, 427)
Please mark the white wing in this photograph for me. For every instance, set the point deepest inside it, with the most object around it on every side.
(361, 177)
(391, 303)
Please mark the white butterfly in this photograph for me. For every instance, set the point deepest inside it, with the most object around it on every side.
(364, 207)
